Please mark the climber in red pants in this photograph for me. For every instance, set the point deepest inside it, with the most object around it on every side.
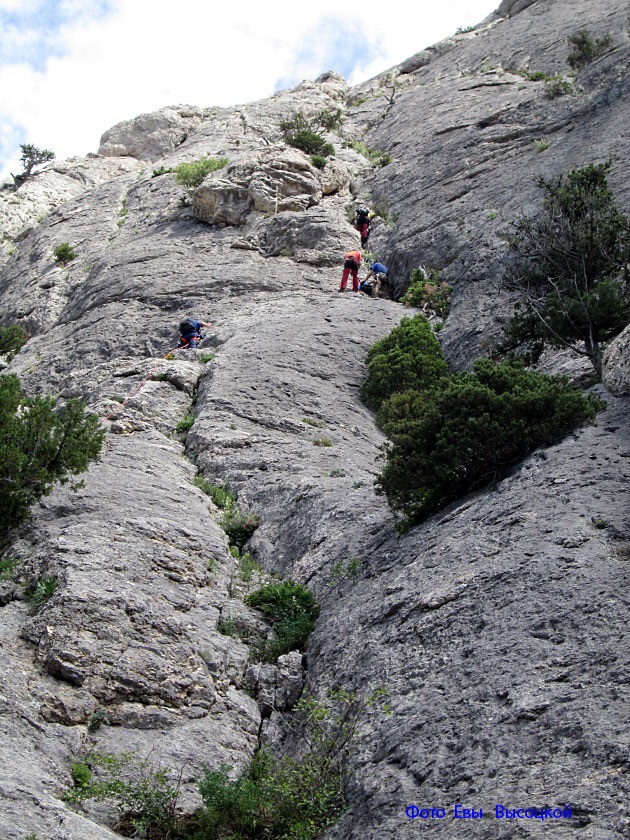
(351, 263)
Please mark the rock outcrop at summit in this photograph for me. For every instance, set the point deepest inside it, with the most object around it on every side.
(498, 628)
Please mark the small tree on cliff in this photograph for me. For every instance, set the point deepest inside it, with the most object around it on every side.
(569, 265)
(31, 157)
(39, 445)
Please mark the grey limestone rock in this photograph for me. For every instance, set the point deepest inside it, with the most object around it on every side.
(498, 627)
(616, 364)
(151, 136)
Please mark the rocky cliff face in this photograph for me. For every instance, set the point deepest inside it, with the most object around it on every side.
(498, 628)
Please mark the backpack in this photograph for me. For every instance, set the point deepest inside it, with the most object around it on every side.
(187, 326)
(363, 215)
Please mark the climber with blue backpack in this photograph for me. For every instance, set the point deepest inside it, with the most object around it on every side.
(190, 333)
(380, 274)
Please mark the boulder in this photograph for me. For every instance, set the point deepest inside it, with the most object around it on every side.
(275, 180)
(616, 364)
(151, 136)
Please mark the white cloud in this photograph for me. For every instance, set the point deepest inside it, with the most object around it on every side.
(145, 55)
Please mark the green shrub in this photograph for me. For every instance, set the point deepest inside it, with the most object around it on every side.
(303, 133)
(283, 797)
(185, 424)
(471, 430)
(586, 49)
(221, 495)
(376, 156)
(191, 175)
(558, 85)
(39, 591)
(293, 610)
(81, 774)
(428, 293)
(142, 793)
(568, 264)
(12, 339)
(409, 357)
(42, 444)
(318, 161)
(312, 421)
(322, 441)
(238, 525)
(64, 253)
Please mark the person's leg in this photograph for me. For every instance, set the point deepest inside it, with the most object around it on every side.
(344, 278)
(355, 280)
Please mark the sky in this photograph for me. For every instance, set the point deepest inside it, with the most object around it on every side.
(71, 69)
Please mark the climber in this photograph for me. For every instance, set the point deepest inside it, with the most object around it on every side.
(363, 224)
(190, 333)
(380, 274)
(351, 263)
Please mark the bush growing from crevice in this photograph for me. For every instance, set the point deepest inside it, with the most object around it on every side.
(303, 133)
(284, 797)
(428, 292)
(292, 609)
(42, 443)
(64, 253)
(409, 357)
(470, 430)
(586, 49)
(191, 175)
(142, 793)
(238, 525)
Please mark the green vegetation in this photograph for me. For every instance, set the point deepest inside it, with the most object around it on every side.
(204, 358)
(191, 175)
(42, 443)
(238, 525)
(586, 49)
(293, 610)
(247, 566)
(81, 774)
(469, 430)
(12, 339)
(303, 132)
(428, 292)
(558, 85)
(31, 158)
(98, 718)
(569, 266)
(221, 495)
(381, 210)
(39, 591)
(142, 793)
(318, 161)
(410, 357)
(312, 421)
(64, 253)
(185, 424)
(322, 441)
(377, 157)
(541, 144)
(276, 797)
(8, 568)
(285, 797)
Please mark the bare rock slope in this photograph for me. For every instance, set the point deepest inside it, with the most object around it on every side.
(498, 628)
